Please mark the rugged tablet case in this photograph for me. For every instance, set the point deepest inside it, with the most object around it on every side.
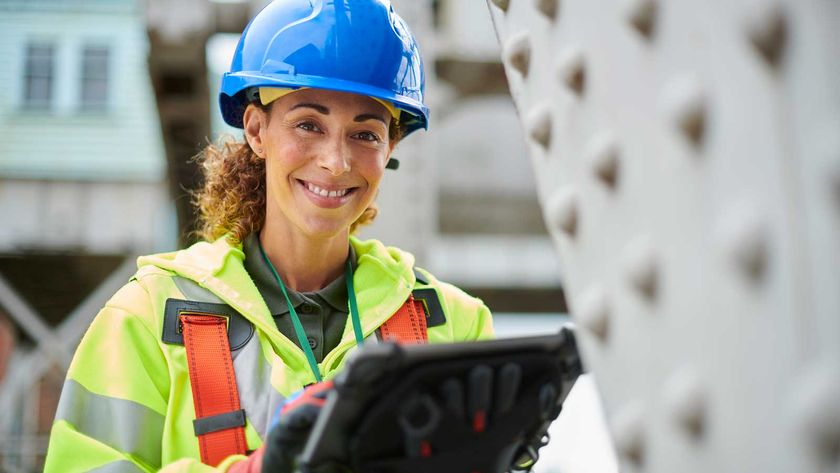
(360, 425)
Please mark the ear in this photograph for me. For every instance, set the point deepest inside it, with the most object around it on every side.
(391, 145)
(390, 161)
(254, 122)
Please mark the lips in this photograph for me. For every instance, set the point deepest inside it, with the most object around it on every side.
(326, 192)
(327, 196)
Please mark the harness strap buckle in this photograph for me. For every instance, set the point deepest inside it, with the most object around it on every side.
(215, 423)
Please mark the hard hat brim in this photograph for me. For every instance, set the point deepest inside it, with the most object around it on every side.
(233, 102)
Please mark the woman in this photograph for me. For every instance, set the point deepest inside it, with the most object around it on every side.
(323, 92)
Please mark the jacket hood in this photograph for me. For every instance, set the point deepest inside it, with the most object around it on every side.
(197, 262)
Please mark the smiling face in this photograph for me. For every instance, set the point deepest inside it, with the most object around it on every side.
(325, 155)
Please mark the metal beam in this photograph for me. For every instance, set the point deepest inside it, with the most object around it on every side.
(30, 323)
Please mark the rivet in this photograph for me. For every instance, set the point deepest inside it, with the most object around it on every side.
(745, 240)
(686, 102)
(518, 55)
(628, 432)
(642, 267)
(539, 126)
(816, 408)
(767, 32)
(593, 312)
(502, 4)
(563, 211)
(603, 157)
(750, 250)
(572, 70)
(686, 402)
(642, 16)
(548, 7)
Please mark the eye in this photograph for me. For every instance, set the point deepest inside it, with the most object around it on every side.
(308, 126)
(368, 136)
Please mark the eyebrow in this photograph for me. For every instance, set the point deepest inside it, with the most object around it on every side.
(317, 107)
(326, 111)
(369, 116)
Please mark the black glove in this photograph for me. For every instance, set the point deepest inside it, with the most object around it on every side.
(476, 401)
(488, 395)
(292, 427)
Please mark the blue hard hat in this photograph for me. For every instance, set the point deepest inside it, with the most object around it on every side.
(359, 46)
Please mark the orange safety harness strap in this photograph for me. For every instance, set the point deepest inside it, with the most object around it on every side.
(219, 421)
(407, 325)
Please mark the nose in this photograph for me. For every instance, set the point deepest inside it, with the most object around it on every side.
(335, 158)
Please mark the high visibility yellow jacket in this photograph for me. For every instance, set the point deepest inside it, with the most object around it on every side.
(127, 404)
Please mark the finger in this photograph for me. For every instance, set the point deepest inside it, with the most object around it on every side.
(320, 390)
(312, 394)
(285, 442)
(507, 387)
(549, 405)
(419, 418)
(480, 382)
(452, 392)
(301, 418)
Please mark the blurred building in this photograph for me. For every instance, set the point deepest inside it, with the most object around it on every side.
(105, 102)
(82, 190)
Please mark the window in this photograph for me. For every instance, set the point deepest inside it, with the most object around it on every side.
(94, 93)
(39, 74)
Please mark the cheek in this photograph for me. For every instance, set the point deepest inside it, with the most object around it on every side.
(371, 165)
(285, 157)
(373, 172)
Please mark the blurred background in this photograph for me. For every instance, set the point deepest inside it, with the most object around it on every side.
(103, 103)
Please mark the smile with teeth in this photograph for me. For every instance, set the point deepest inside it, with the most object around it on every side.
(324, 192)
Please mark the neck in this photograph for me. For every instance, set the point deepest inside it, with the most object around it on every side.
(304, 263)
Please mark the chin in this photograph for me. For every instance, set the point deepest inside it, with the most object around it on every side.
(325, 228)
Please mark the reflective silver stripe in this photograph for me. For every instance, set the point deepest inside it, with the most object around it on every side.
(253, 380)
(125, 425)
(121, 466)
(253, 372)
(192, 291)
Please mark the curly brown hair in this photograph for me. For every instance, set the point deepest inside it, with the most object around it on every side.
(233, 196)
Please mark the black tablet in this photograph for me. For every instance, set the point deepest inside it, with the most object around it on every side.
(471, 407)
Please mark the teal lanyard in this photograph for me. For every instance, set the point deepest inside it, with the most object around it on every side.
(299, 331)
